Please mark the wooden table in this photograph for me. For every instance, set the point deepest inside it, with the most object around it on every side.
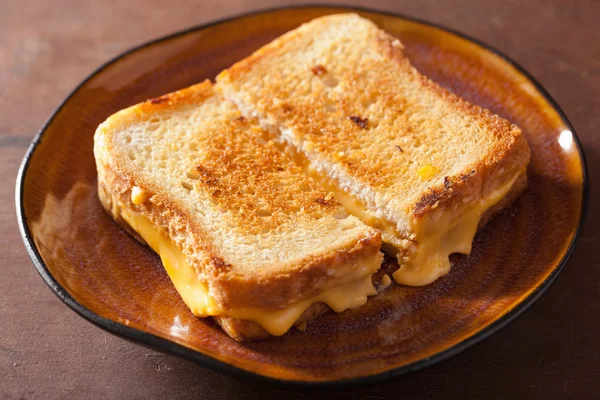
(46, 351)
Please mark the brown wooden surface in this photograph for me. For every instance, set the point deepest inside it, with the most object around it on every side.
(46, 351)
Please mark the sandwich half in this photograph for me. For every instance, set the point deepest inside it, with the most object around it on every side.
(400, 152)
(244, 235)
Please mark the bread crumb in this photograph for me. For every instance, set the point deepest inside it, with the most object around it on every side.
(362, 122)
(138, 195)
(319, 70)
(447, 183)
(397, 43)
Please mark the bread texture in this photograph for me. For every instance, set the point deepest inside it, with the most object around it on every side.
(256, 230)
(340, 94)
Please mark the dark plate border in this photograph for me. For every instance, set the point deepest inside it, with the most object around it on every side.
(167, 346)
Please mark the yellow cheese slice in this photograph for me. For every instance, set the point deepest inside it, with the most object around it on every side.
(195, 295)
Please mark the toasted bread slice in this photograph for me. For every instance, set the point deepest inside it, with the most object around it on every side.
(242, 232)
(398, 150)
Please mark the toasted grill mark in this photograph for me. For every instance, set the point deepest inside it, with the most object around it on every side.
(464, 177)
(429, 200)
(447, 182)
(211, 181)
(319, 70)
(240, 119)
(206, 175)
(219, 263)
(362, 122)
(159, 100)
(400, 148)
(434, 196)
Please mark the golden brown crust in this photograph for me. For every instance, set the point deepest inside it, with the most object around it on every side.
(368, 130)
(232, 290)
(298, 284)
(507, 159)
(192, 95)
(508, 156)
(228, 285)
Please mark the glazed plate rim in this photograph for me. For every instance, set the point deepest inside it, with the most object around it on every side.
(173, 348)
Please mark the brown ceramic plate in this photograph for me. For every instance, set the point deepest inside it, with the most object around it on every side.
(111, 280)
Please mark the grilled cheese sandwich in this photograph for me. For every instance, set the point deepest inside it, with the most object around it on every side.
(400, 152)
(230, 216)
(276, 322)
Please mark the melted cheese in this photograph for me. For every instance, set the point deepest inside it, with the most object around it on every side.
(195, 294)
(428, 171)
(449, 233)
(390, 235)
(426, 257)
(138, 195)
